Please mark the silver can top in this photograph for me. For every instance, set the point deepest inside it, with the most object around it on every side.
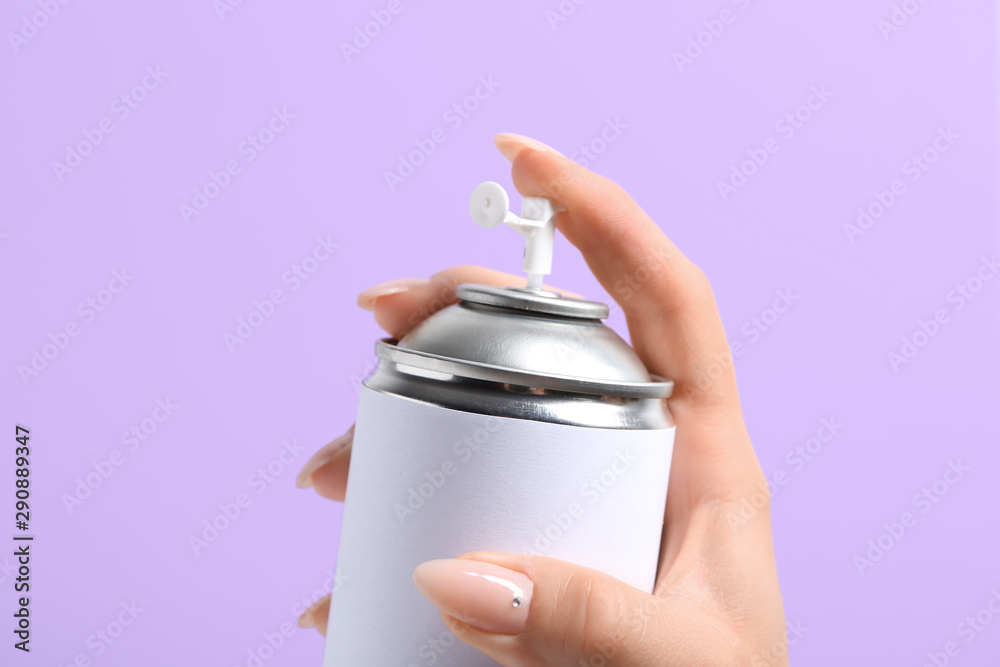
(524, 353)
(529, 338)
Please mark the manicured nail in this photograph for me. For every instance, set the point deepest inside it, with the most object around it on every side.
(367, 299)
(307, 620)
(512, 144)
(483, 595)
(321, 458)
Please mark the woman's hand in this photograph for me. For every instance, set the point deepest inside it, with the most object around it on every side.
(716, 600)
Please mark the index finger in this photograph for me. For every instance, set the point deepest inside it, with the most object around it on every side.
(666, 299)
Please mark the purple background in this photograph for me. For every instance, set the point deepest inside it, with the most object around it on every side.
(683, 130)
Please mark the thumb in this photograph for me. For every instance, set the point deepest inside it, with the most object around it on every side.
(532, 610)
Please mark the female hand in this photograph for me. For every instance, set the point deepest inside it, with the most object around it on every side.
(716, 599)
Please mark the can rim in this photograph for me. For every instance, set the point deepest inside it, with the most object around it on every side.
(388, 349)
(538, 301)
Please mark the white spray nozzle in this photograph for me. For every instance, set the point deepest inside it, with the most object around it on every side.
(490, 205)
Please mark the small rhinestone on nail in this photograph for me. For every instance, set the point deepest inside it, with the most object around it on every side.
(517, 602)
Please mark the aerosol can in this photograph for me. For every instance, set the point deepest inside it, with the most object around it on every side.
(511, 421)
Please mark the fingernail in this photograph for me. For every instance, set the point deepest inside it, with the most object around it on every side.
(306, 620)
(512, 144)
(483, 595)
(321, 458)
(367, 299)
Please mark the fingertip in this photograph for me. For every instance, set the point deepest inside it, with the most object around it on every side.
(368, 299)
(330, 479)
(316, 616)
(511, 145)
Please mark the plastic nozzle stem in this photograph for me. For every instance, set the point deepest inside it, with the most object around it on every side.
(535, 280)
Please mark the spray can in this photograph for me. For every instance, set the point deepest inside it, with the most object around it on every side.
(512, 421)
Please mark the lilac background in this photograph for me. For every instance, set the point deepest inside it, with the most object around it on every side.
(323, 176)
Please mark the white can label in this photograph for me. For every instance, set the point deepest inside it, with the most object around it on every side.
(429, 482)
